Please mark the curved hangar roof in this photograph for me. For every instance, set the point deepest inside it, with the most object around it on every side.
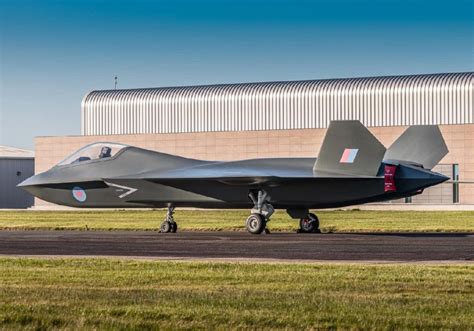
(8, 152)
(376, 101)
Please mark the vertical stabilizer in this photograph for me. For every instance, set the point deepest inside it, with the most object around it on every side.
(349, 148)
(421, 144)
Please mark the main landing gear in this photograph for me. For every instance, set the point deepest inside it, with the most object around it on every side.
(309, 222)
(261, 212)
(169, 225)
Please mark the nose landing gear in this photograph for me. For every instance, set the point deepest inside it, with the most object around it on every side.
(256, 224)
(169, 225)
(261, 212)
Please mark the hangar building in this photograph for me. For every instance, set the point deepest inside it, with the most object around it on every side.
(272, 119)
(16, 165)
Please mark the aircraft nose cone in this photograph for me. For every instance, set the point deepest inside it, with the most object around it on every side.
(25, 183)
(33, 180)
(33, 184)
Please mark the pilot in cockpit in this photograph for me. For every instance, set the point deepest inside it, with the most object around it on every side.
(96, 151)
(105, 152)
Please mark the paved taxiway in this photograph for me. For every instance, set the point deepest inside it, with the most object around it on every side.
(408, 247)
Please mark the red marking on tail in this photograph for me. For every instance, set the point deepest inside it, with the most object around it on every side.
(389, 177)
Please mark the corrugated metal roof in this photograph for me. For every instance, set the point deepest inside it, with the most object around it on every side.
(375, 101)
(15, 153)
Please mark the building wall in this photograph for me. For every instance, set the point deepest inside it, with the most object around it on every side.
(257, 144)
(12, 172)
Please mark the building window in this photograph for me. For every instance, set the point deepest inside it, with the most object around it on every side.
(455, 183)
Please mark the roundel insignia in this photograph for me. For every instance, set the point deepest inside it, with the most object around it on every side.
(79, 194)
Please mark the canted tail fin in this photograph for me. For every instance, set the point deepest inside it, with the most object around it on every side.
(421, 144)
(349, 148)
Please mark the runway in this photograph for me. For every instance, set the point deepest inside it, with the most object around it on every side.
(399, 247)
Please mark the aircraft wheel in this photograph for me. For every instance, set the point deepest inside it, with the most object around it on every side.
(255, 224)
(174, 227)
(165, 227)
(315, 223)
(309, 224)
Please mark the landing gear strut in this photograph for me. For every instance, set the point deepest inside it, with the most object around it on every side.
(169, 225)
(309, 224)
(261, 212)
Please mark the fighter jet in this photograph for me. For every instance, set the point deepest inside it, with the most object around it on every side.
(352, 168)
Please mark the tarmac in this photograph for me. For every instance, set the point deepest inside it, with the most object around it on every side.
(242, 246)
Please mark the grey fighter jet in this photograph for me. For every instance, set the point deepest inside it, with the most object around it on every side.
(353, 167)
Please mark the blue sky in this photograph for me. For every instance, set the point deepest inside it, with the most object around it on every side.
(53, 52)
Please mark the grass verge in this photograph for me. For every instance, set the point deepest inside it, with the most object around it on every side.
(128, 294)
(233, 220)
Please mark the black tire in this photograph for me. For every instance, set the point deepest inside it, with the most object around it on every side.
(165, 227)
(174, 227)
(309, 224)
(255, 224)
(315, 222)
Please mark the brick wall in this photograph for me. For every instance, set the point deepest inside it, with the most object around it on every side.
(256, 144)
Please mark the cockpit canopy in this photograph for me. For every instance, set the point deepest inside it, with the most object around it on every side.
(96, 151)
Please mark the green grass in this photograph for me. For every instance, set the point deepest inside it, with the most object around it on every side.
(331, 221)
(126, 294)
